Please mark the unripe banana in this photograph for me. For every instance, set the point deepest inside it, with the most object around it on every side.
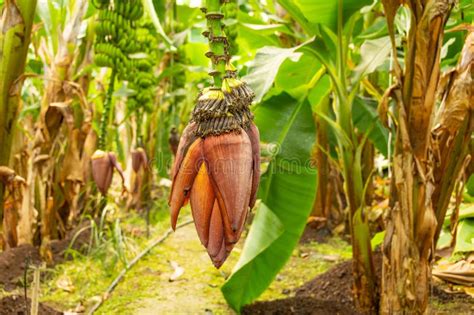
(116, 34)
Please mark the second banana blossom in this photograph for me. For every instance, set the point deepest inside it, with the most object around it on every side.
(217, 167)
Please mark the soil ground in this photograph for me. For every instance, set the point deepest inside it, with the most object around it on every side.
(330, 293)
(15, 305)
(13, 262)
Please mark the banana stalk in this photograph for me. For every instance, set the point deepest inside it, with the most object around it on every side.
(322, 203)
(231, 8)
(217, 41)
(15, 33)
(105, 117)
(55, 105)
(413, 222)
(116, 40)
(350, 152)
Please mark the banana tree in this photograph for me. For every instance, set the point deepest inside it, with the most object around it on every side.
(115, 44)
(141, 105)
(15, 33)
(350, 152)
(56, 182)
(420, 195)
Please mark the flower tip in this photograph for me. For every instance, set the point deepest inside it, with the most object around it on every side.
(102, 170)
(220, 259)
(183, 179)
(218, 264)
(211, 94)
(174, 215)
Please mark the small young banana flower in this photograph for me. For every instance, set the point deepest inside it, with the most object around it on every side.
(103, 164)
(217, 168)
(139, 159)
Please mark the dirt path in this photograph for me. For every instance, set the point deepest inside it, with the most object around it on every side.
(195, 291)
(147, 288)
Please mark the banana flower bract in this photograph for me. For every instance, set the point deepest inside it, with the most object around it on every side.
(217, 169)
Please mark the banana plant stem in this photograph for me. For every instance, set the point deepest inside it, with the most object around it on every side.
(104, 121)
(139, 134)
(16, 21)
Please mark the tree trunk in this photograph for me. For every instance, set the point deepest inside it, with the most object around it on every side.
(323, 201)
(56, 112)
(15, 32)
(407, 248)
(368, 164)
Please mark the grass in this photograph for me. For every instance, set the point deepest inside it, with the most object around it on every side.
(90, 275)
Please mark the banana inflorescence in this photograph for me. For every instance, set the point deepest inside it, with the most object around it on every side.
(219, 152)
(129, 47)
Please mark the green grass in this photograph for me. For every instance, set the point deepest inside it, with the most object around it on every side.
(90, 275)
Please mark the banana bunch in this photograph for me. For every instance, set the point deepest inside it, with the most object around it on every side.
(116, 34)
(230, 10)
(131, 10)
(107, 55)
(142, 79)
(179, 78)
(100, 4)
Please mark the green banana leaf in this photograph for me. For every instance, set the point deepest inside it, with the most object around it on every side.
(296, 78)
(374, 53)
(465, 236)
(325, 12)
(264, 68)
(364, 116)
(470, 186)
(465, 229)
(319, 93)
(287, 192)
(466, 211)
(298, 16)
